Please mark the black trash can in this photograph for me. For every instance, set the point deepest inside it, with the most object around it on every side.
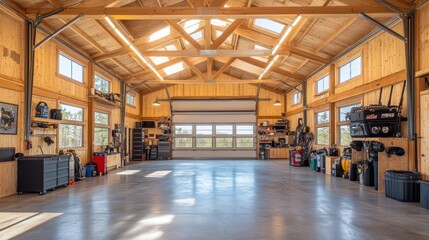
(402, 185)
(424, 194)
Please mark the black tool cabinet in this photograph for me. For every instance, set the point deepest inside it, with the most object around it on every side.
(42, 172)
(138, 144)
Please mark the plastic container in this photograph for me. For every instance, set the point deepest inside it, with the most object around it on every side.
(424, 194)
(402, 185)
(89, 171)
(313, 164)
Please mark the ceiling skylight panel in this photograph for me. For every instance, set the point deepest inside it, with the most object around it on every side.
(269, 25)
(159, 34)
(174, 68)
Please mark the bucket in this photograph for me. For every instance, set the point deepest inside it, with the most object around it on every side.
(313, 164)
(402, 185)
(424, 194)
(90, 171)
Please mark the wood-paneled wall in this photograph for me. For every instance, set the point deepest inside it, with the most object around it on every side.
(50, 87)
(267, 110)
(383, 56)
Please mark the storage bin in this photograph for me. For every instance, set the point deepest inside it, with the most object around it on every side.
(89, 169)
(424, 194)
(402, 185)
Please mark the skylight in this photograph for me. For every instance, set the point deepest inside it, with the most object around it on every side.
(191, 26)
(269, 25)
(159, 34)
(218, 22)
(259, 47)
(171, 47)
(174, 68)
(159, 60)
(197, 35)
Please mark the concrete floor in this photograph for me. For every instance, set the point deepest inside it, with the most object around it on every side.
(212, 200)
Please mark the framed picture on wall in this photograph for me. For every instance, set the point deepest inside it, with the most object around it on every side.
(9, 118)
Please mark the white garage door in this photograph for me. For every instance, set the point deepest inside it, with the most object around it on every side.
(214, 129)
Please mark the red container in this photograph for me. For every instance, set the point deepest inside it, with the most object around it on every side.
(296, 158)
(101, 162)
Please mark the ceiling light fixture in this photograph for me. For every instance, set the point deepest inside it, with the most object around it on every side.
(286, 33)
(156, 103)
(277, 103)
(133, 47)
(276, 48)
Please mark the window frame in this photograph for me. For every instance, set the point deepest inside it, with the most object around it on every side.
(340, 123)
(105, 79)
(215, 136)
(350, 64)
(79, 123)
(318, 125)
(316, 87)
(293, 98)
(101, 125)
(72, 59)
(68, 147)
(71, 120)
(126, 99)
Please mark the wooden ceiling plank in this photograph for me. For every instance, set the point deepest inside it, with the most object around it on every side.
(170, 13)
(122, 66)
(84, 36)
(216, 53)
(184, 34)
(54, 3)
(229, 30)
(336, 33)
(108, 32)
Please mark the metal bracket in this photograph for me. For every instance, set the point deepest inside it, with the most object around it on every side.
(391, 6)
(287, 84)
(40, 18)
(58, 31)
(382, 26)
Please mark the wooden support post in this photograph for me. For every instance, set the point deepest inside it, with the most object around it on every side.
(332, 120)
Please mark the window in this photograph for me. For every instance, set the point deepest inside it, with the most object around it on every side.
(204, 129)
(344, 126)
(70, 136)
(350, 70)
(101, 84)
(224, 129)
(204, 142)
(183, 142)
(245, 142)
(296, 98)
(214, 136)
(322, 84)
(101, 136)
(322, 117)
(244, 130)
(131, 99)
(183, 130)
(69, 68)
(269, 25)
(101, 118)
(322, 128)
(72, 113)
(223, 142)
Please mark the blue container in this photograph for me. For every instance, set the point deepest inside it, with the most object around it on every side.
(89, 170)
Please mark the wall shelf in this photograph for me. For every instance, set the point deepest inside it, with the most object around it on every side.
(104, 101)
(43, 135)
(45, 120)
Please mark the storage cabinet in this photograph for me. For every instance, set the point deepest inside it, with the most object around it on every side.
(138, 144)
(278, 153)
(41, 173)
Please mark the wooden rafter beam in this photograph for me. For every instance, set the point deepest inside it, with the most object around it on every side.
(209, 68)
(308, 55)
(231, 28)
(255, 62)
(194, 69)
(170, 13)
(224, 67)
(207, 33)
(206, 3)
(204, 53)
(336, 33)
(218, 81)
(184, 34)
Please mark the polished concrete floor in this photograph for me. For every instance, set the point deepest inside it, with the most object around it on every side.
(212, 200)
